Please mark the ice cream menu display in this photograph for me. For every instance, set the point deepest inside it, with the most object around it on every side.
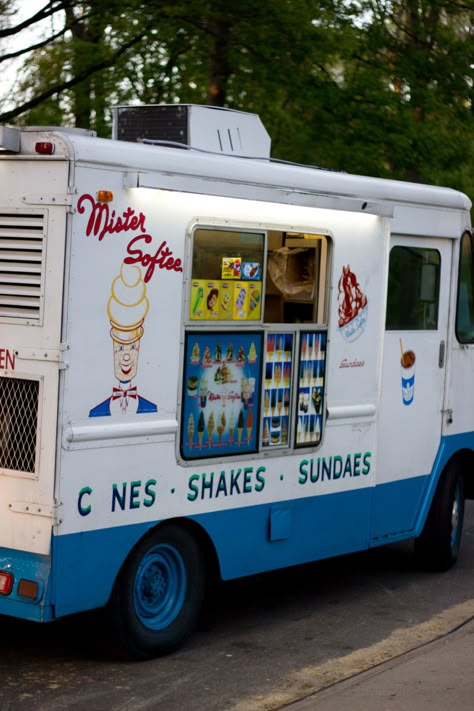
(277, 391)
(221, 394)
(235, 297)
(310, 395)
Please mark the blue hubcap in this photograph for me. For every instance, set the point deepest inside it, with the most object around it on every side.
(455, 513)
(160, 587)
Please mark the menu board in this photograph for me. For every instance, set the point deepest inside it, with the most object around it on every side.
(220, 412)
(277, 389)
(310, 394)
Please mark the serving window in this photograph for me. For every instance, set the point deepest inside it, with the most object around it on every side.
(279, 277)
(296, 278)
(254, 376)
(227, 274)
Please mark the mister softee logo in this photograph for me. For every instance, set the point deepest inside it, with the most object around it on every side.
(104, 221)
(128, 303)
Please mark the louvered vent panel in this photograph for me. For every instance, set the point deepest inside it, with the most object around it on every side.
(18, 424)
(21, 266)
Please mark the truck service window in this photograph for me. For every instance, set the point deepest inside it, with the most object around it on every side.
(465, 305)
(296, 278)
(227, 273)
(413, 289)
(255, 350)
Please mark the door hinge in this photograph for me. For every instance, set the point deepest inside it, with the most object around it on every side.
(47, 199)
(53, 355)
(449, 415)
(32, 508)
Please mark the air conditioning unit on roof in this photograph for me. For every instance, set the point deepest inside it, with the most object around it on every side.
(206, 128)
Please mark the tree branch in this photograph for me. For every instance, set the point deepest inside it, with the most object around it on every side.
(31, 48)
(49, 9)
(8, 115)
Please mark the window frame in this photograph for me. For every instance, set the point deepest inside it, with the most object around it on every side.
(469, 235)
(316, 329)
(420, 249)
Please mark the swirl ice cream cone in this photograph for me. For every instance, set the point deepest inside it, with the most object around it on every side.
(127, 308)
(128, 305)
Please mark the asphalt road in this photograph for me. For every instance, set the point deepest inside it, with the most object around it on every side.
(263, 642)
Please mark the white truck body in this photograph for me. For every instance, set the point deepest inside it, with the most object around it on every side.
(97, 245)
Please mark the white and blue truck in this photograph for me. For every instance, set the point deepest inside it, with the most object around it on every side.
(215, 362)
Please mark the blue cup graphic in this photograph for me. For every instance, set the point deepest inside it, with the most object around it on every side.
(408, 377)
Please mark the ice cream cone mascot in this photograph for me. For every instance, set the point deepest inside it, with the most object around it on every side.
(127, 308)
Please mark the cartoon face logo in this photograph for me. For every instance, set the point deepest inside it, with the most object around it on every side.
(127, 308)
(126, 360)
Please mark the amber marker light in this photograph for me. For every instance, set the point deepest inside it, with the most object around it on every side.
(44, 148)
(6, 582)
(28, 588)
(105, 196)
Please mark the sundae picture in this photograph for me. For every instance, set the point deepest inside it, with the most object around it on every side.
(352, 305)
(126, 309)
(203, 391)
(196, 353)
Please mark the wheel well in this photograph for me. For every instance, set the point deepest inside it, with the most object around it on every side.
(204, 541)
(465, 459)
(211, 561)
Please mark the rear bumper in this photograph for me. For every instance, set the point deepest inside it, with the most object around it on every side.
(27, 567)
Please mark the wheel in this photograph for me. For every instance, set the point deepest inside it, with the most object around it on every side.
(158, 594)
(437, 547)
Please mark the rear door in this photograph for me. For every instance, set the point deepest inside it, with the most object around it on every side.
(413, 380)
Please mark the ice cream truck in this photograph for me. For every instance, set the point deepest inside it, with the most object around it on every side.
(213, 363)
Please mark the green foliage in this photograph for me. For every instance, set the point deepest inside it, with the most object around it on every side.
(379, 87)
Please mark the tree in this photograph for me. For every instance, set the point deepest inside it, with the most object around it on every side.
(380, 87)
(411, 78)
(68, 58)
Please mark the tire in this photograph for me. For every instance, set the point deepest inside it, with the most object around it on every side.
(158, 594)
(437, 547)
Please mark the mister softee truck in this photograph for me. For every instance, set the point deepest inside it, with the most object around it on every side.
(213, 362)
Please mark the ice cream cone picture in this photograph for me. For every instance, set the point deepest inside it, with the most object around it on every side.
(266, 434)
(190, 428)
(221, 426)
(201, 425)
(240, 426)
(266, 402)
(126, 309)
(249, 424)
(231, 427)
(252, 356)
(210, 427)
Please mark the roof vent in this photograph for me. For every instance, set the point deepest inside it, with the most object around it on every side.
(206, 128)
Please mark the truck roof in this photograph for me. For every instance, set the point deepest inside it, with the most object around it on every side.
(191, 170)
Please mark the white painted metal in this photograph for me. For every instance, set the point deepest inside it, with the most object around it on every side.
(176, 191)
